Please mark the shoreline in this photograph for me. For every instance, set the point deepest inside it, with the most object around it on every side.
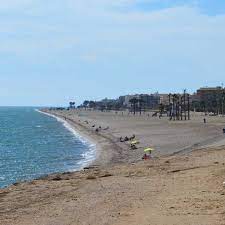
(106, 146)
(102, 146)
(108, 142)
(92, 145)
(189, 135)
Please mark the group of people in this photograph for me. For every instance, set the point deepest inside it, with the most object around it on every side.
(125, 139)
(94, 126)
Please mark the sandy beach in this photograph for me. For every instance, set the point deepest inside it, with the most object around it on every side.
(182, 184)
(166, 137)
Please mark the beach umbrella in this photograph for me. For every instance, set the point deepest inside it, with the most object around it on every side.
(135, 142)
(148, 149)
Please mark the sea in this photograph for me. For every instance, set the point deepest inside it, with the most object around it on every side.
(33, 144)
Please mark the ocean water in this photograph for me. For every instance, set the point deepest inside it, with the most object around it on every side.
(33, 144)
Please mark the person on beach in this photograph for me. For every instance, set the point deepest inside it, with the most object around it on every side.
(133, 137)
(204, 120)
(146, 157)
(126, 139)
(133, 146)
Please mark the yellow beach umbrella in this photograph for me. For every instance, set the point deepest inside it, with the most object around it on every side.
(135, 142)
(149, 149)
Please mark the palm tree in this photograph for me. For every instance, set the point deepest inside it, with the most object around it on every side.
(72, 105)
(170, 105)
(141, 104)
(161, 109)
(134, 102)
(203, 106)
(222, 103)
(92, 104)
(85, 104)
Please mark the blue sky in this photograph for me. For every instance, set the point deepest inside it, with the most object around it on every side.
(56, 51)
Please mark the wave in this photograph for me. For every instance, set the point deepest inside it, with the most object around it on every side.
(90, 155)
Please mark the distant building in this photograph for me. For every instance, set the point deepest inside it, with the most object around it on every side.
(152, 101)
(195, 98)
(211, 99)
(127, 99)
(205, 92)
(149, 101)
(121, 100)
(164, 99)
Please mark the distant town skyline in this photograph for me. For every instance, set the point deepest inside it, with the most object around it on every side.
(56, 52)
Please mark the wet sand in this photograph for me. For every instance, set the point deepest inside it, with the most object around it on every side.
(171, 189)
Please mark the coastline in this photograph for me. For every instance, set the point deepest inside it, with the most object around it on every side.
(119, 188)
(90, 155)
(184, 138)
(167, 137)
(107, 147)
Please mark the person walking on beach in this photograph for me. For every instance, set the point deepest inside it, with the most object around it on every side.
(204, 120)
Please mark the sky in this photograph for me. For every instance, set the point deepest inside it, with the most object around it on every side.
(54, 51)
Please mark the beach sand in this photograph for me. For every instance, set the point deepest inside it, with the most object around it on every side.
(120, 189)
(166, 137)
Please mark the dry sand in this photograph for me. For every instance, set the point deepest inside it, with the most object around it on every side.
(185, 188)
(167, 137)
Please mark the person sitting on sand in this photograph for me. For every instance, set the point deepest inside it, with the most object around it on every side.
(145, 157)
(126, 139)
(121, 139)
(132, 138)
(133, 146)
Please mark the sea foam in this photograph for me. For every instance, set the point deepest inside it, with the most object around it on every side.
(88, 156)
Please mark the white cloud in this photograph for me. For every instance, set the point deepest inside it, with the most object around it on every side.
(94, 41)
(91, 26)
